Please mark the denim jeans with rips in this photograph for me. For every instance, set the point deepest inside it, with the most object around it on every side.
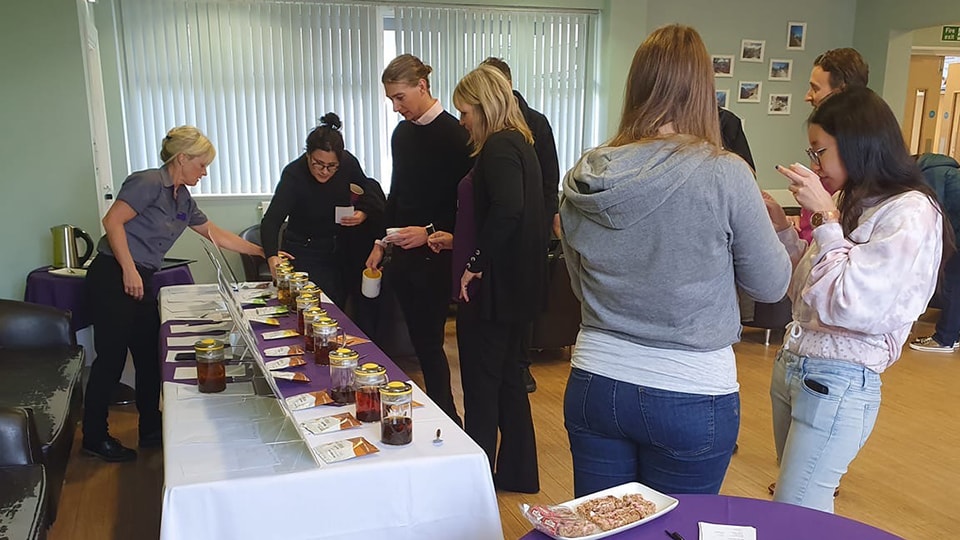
(670, 441)
(823, 412)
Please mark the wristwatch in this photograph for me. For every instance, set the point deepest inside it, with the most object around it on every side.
(430, 229)
(828, 216)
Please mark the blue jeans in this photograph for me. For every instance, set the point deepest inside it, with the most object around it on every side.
(823, 412)
(670, 441)
(948, 327)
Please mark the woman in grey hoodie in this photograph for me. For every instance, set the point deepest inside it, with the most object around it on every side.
(660, 227)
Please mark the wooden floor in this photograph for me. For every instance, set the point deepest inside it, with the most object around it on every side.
(906, 480)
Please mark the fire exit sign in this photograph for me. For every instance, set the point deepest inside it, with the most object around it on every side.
(950, 33)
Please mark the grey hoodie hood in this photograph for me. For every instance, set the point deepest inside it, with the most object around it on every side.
(618, 186)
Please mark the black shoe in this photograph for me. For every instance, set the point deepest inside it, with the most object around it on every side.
(153, 439)
(109, 449)
(528, 379)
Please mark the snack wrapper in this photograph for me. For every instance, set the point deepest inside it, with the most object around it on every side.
(345, 449)
(254, 302)
(295, 377)
(272, 321)
(328, 424)
(559, 521)
(308, 400)
(280, 334)
(282, 363)
(284, 350)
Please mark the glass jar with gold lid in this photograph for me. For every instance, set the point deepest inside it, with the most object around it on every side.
(343, 362)
(310, 316)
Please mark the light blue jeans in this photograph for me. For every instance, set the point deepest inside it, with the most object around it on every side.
(823, 412)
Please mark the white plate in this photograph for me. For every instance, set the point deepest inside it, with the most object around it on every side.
(665, 503)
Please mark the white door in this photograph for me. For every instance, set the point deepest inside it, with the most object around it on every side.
(96, 106)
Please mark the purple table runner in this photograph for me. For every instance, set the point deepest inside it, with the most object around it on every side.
(319, 375)
(771, 519)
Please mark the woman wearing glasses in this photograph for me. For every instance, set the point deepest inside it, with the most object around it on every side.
(310, 189)
(866, 276)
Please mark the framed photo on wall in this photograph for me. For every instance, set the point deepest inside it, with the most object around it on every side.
(796, 36)
(722, 95)
(779, 104)
(749, 92)
(722, 65)
(751, 50)
(780, 69)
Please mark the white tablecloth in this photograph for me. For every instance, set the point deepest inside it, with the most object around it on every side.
(236, 466)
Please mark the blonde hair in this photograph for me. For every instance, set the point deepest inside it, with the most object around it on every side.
(490, 94)
(189, 141)
(407, 69)
(670, 82)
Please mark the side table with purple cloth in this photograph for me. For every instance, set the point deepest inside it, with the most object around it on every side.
(69, 293)
(771, 519)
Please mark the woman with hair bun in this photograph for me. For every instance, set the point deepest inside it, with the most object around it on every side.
(310, 189)
(151, 211)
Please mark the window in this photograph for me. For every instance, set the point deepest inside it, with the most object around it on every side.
(256, 76)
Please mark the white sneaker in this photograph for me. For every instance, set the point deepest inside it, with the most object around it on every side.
(928, 344)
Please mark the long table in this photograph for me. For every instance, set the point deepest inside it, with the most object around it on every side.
(237, 464)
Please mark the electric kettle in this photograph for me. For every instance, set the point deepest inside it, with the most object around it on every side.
(65, 246)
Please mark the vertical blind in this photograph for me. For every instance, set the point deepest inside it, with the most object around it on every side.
(256, 76)
(552, 58)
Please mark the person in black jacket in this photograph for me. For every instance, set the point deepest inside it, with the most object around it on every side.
(311, 188)
(430, 156)
(545, 146)
(733, 138)
(502, 284)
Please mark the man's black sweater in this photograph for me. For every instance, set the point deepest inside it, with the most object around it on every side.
(428, 163)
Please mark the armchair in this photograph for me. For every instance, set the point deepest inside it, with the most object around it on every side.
(23, 483)
(40, 369)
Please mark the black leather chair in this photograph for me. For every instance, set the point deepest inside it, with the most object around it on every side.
(775, 316)
(254, 267)
(40, 369)
(23, 482)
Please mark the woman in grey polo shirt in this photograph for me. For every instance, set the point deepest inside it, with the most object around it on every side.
(151, 211)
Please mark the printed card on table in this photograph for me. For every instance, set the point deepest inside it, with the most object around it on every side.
(308, 400)
(280, 334)
(345, 449)
(283, 363)
(284, 350)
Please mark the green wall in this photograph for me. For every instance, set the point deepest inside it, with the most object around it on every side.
(46, 157)
(879, 35)
(46, 164)
(773, 139)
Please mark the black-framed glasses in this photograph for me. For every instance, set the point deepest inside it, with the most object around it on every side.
(814, 155)
(321, 166)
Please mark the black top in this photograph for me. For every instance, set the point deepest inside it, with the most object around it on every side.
(309, 204)
(428, 163)
(733, 137)
(511, 239)
(546, 148)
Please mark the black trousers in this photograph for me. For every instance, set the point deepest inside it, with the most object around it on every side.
(320, 260)
(494, 398)
(121, 323)
(421, 283)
